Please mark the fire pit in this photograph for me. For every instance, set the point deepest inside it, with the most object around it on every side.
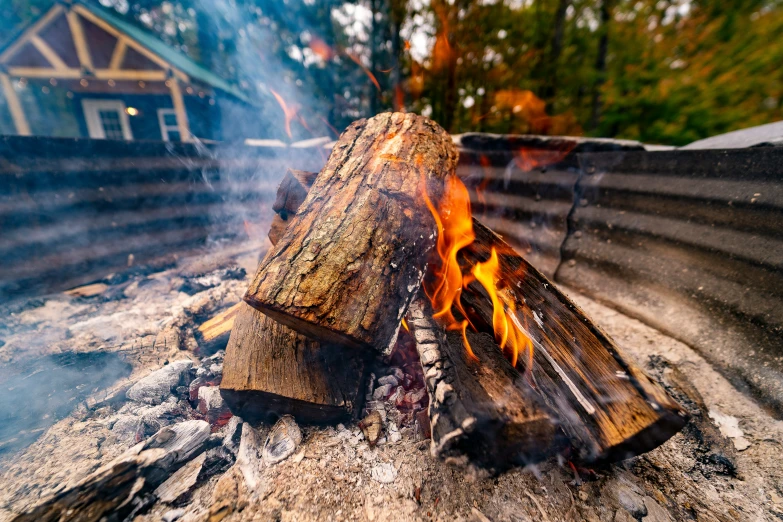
(448, 399)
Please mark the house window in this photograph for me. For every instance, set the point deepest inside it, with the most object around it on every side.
(107, 120)
(169, 129)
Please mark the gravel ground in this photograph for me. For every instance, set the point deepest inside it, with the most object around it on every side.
(335, 475)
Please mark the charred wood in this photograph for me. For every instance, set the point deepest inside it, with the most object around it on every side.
(481, 411)
(606, 405)
(118, 487)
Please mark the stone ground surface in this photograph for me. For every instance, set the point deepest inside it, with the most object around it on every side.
(334, 474)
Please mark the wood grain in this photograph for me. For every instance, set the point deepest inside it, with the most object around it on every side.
(213, 334)
(607, 406)
(597, 396)
(270, 368)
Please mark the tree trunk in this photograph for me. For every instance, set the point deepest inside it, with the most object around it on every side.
(352, 258)
(397, 13)
(555, 49)
(600, 63)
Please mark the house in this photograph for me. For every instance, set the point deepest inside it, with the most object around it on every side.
(82, 71)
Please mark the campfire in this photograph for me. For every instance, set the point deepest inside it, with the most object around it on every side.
(386, 316)
(537, 378)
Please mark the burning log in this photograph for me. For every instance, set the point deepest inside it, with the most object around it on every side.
(481, 409)
(270, 368)
(362, 230)
(605, 405)
(608, 408)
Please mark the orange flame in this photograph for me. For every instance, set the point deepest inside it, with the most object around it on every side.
(455, 231)
(289, 112)
(511, 339)
(321, 49)
(367, 71)
(527, 158)
(481, 188)
(454, 224)
(399, 99)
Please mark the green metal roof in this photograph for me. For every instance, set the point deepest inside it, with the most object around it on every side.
(177, 59)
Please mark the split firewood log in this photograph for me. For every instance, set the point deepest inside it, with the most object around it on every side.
(213, 334)
(291, 192)
(363, 230)
(270, 368)
(481, 411)
(606, 405)
(608, 408)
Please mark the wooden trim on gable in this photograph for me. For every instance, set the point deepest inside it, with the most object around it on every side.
(129, 41)
(77, 31)
(30, 32)
(69, 73)
(42, 72)
(119, 53)
(17, 113)
(52, 57)
(130, 74)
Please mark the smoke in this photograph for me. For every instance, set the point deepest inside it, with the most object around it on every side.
(39, 393)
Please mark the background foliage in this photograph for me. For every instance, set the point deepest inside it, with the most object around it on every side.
(660, 71)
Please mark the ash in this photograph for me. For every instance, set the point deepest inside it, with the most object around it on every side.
(90, 377)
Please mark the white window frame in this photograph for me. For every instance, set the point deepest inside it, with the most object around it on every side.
(92, 107)
(165, 129)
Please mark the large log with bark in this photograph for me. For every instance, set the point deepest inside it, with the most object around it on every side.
(481, 411)
(352, 258)
(270, 368)
(608, 408)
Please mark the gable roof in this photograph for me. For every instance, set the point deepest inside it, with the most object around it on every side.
(174, 58)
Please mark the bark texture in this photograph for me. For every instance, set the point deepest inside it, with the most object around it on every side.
(270, 368)
(606, 405)
(481, 411)
(352, 258)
